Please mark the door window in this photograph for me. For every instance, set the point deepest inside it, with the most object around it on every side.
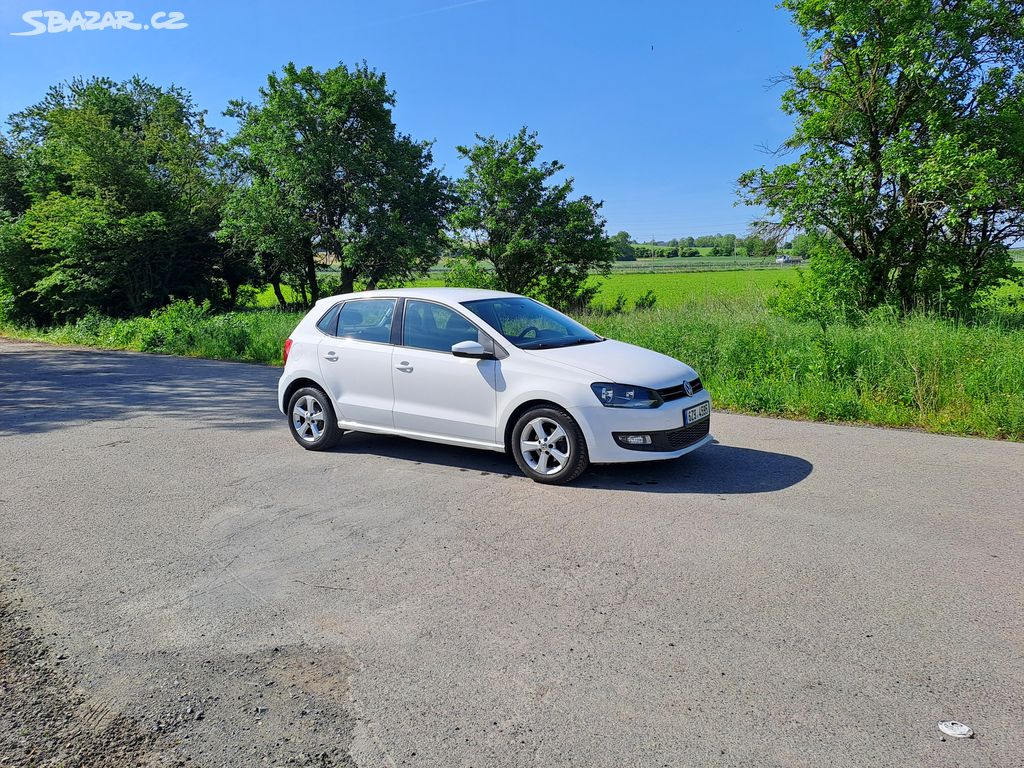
(432, 326)
(367, 320)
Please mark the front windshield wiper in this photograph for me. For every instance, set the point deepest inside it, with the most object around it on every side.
(558, 345)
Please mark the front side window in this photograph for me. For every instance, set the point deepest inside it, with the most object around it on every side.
(529, 324)
(367, 319)
(432, 326)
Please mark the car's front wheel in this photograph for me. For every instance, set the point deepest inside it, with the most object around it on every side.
(311, 420)
(549, 447)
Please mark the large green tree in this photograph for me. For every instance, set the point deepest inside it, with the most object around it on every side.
(328, 171)
(513, 216)
(908, 145)
(119, 192)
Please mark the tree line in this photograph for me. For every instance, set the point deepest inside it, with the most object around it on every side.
(903, 178)
(754, 246)
(117, 197)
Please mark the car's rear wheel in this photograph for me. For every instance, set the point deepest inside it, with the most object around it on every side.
(549, 447)
(311, 420)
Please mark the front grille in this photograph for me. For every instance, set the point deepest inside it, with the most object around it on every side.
(670, 439)
(688, 435)
(677, 392)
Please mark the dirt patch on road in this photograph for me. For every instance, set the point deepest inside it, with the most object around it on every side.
(275, 706)
(46, 720)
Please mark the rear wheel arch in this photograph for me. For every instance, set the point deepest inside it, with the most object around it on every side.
(298, 384)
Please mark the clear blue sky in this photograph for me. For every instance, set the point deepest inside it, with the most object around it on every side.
(654, 107)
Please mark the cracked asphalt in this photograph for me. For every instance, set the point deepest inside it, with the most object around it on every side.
(798, 595)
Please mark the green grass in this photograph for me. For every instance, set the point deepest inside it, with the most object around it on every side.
(920, 372)
(674, 289)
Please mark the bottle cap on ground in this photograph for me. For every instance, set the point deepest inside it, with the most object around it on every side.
(955, 729)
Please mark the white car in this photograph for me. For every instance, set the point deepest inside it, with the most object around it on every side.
(491, 370)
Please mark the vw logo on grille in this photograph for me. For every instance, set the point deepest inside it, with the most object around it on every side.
(688, 388)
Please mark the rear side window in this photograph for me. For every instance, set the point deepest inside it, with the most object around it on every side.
(431, 326)
(329, 322)
(366, 320)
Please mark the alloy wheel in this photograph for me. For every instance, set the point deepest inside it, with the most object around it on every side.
(308, 418)
(545, 446)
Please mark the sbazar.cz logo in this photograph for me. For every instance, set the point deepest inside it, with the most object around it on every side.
(89, 21)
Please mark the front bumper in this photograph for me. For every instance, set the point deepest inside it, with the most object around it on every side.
(668, 440)
(670, 437)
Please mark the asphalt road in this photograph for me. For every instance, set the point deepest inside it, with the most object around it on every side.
(798, 595)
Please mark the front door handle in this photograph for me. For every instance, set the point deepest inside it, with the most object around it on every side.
(331, 356)
(404, 367)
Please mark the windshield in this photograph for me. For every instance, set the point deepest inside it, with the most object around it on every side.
(529, 324)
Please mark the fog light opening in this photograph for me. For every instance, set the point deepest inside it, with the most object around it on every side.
(635, 439)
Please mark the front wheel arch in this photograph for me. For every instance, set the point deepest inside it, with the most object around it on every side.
(518, 411)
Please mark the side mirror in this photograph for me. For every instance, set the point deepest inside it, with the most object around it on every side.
(472, 349)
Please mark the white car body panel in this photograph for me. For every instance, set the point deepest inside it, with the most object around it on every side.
(437, 393)
(357, 375)
(469, 402)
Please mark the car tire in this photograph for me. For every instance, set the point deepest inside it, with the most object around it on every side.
(312, 421)
(549, 447)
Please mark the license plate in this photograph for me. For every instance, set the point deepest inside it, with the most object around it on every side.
(697, 413)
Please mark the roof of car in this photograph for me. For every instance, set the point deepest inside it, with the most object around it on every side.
(454, 295)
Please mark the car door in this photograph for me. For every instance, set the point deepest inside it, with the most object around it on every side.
(355, 360)
(437, 393)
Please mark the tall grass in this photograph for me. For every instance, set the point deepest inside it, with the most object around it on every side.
(922, 372)
(183, 328)
(919, 371)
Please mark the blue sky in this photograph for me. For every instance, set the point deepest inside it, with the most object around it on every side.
(654, 107)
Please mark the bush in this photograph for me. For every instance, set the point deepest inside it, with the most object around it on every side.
(467, 273)
(830, 291)
(647, 301)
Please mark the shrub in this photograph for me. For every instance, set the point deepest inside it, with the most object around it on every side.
(647, 301)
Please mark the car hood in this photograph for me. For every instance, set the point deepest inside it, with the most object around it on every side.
(620, 363)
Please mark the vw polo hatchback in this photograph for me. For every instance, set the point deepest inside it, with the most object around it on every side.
(490, 370)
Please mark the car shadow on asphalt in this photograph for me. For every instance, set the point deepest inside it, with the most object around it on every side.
(714, 469)
(45, 389)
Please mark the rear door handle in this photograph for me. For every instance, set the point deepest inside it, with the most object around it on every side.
(404, 367)
(331, 356)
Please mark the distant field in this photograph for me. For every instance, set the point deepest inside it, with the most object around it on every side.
(674, 289)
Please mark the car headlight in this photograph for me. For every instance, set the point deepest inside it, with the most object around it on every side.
(626, 396)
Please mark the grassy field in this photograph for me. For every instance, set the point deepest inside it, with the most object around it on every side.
(920, 372)
(675, 289)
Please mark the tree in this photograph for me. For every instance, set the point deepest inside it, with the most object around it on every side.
(13, 199)
(803, 245)
(723, 245)
(909, 143)
(122, 189)
(539, 240)
(328, 170)
(622, 244)
(758, 247)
